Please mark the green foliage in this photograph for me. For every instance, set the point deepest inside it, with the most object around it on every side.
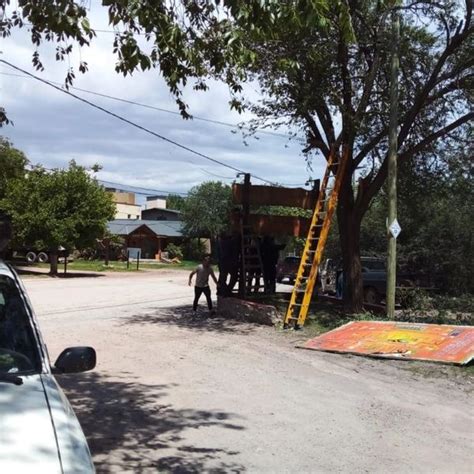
(283, 211)
(174, 251)
(175, 202)
(60, 208)
(12, 164)
(207, 210)
(185, 40)
(193, 249)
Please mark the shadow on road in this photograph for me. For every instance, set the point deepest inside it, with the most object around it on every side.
(184, 317)
(32, 271)
(128, 429)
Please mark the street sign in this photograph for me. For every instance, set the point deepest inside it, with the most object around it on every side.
(395, 229)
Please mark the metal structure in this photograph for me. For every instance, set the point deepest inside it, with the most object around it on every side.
(252, 226)
(251, 263)
(315, 241)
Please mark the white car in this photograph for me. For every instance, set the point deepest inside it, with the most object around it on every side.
(39, 432)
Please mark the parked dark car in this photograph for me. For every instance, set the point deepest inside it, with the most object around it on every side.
(374, 278)
(288, 269)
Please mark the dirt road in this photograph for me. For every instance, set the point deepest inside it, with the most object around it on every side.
(177, 394)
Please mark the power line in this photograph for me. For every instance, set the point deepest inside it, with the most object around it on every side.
(123, 119)
(161, 109)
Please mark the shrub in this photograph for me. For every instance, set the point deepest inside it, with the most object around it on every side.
(194, 249)
(174, 251)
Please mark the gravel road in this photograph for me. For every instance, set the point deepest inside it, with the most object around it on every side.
(173, 393)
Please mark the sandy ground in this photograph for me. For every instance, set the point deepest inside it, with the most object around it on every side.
(173, 393)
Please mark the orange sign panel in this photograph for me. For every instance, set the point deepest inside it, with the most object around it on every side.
(430, 342)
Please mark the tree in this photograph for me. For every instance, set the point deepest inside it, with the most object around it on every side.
(175, 202)
(322, 67)
(50, 209)
(12, 164)
(207, 210)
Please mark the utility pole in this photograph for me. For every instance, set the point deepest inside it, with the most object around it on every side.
(393, 227)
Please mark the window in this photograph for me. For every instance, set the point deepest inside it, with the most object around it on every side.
(18, 349)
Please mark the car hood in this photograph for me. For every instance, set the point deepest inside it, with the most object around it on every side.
(27, 435)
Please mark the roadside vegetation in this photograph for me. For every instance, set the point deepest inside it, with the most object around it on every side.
(99, 266)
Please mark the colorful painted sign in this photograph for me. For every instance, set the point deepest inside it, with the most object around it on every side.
(430, 342)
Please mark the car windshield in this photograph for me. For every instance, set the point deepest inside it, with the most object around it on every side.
(18, 349)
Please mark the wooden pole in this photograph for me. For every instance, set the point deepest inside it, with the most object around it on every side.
(392, 167)
(244, 222)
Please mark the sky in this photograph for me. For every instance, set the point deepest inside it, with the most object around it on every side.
(53, 128)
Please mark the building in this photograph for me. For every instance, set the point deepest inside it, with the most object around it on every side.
(155, 202)
(161, 215)
(151, 236)
(125, 204)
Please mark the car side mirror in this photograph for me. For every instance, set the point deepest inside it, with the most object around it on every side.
(74, 360)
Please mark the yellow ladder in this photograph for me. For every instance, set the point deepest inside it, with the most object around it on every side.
(314, 246)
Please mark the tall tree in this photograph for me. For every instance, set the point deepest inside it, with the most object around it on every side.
(50, 209)
(207, 209)
(322, 67)
(175, 201)
(12, 164)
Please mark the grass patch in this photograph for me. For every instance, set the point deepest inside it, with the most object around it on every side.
(99, 266)
(323, 316)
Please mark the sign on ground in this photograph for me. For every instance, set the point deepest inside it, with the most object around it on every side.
(429, 342)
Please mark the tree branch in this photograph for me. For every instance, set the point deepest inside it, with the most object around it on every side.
(318, 141)
(379, 179)
(434, 136)
(369, 146)
(420, 99)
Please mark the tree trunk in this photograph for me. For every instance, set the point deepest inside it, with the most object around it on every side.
(349, 231)
(53, 259)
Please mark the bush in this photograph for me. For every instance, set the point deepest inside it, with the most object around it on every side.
(194, 249)
(174, 251)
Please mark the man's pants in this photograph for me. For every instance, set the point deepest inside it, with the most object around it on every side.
(198, 291)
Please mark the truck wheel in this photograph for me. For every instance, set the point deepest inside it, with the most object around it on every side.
(31, 257)
(43, 257)
(371, 295)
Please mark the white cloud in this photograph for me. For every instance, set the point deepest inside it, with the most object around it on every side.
(53, 128)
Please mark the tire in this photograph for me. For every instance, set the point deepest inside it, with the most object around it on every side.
(371, 295)
(31, 257)
(43, 257)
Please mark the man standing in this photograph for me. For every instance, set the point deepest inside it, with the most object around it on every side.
(270, 252)
(203, 272)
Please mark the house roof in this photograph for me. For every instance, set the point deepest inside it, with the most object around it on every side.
(170, 211)
(159, 228)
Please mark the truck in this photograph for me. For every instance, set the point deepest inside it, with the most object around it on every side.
(374, 278)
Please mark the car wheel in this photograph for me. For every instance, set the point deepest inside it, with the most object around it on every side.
(43, 257)
(372, 296)
(31, 257)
